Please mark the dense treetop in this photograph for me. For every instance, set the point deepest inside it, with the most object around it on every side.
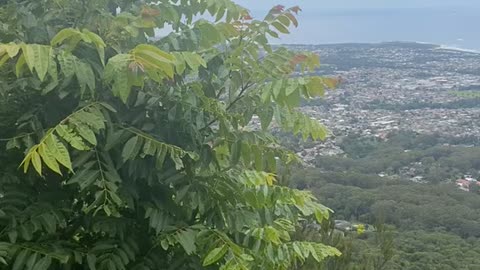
(137, 152)
(433, 224)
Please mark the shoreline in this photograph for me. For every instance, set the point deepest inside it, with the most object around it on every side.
(433, 45)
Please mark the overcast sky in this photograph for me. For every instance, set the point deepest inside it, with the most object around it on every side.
(323, 4)
(445, 22)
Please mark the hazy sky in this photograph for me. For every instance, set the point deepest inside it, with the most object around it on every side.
(323, 4)
(444, 22)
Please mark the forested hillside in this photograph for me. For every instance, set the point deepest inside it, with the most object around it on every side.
(434, 224)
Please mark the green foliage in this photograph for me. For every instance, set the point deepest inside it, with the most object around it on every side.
(143, 153)
(78, 130)
(405, 155)
(437, 219)
(371, 249)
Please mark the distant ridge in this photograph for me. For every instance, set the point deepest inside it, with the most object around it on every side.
(412, 44)
(367, 44)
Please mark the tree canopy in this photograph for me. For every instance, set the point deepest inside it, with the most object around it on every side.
(427, 225)
(127, 150)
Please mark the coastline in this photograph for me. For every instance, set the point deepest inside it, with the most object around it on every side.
(433, 45)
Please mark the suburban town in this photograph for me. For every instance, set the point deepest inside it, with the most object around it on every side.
(409, 76)
(395, 86)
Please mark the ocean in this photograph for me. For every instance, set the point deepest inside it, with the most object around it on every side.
(450, 27)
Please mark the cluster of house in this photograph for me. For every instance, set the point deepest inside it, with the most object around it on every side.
(346, 226)
(389, 87)
(467, 182)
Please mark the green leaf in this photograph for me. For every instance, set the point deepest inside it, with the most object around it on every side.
(176, 157)
(48, 88)
(315, 87)
(37, 162)
(129, 148)
(291, 87)
(298, 251)
(43, 264)
(19, 65)
(87, 134)
(153, 53)
(116, 72)
(193, 60)
(235, 152)
(258, 158)
(25, 232)
(161, 154)
(220, 14)
(85, 77)
(31, 261)
(280, 27)
(271, 234)
(20, 260)
(266, 117)
(52, 69)
(149, 148)
(96, 39)
(180, 64)
(66, 133)
(48, 158)
(84, 178)
(49, 223)
(59, 150)
(292, 19)
(284, 20)
(115, 198)
(164, 244)
(4, 59)
(67, 63)
(313, 252)
(186, 238)
(277, 88)
(99, 43)
(121, 88)
(37, 58)
(215, 254)
(108, 107)
(12, 49)
(209, 35)
(63, 35)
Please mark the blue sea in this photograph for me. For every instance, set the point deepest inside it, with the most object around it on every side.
(452, 27)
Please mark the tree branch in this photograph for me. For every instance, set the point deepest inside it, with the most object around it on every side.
(239, 97)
